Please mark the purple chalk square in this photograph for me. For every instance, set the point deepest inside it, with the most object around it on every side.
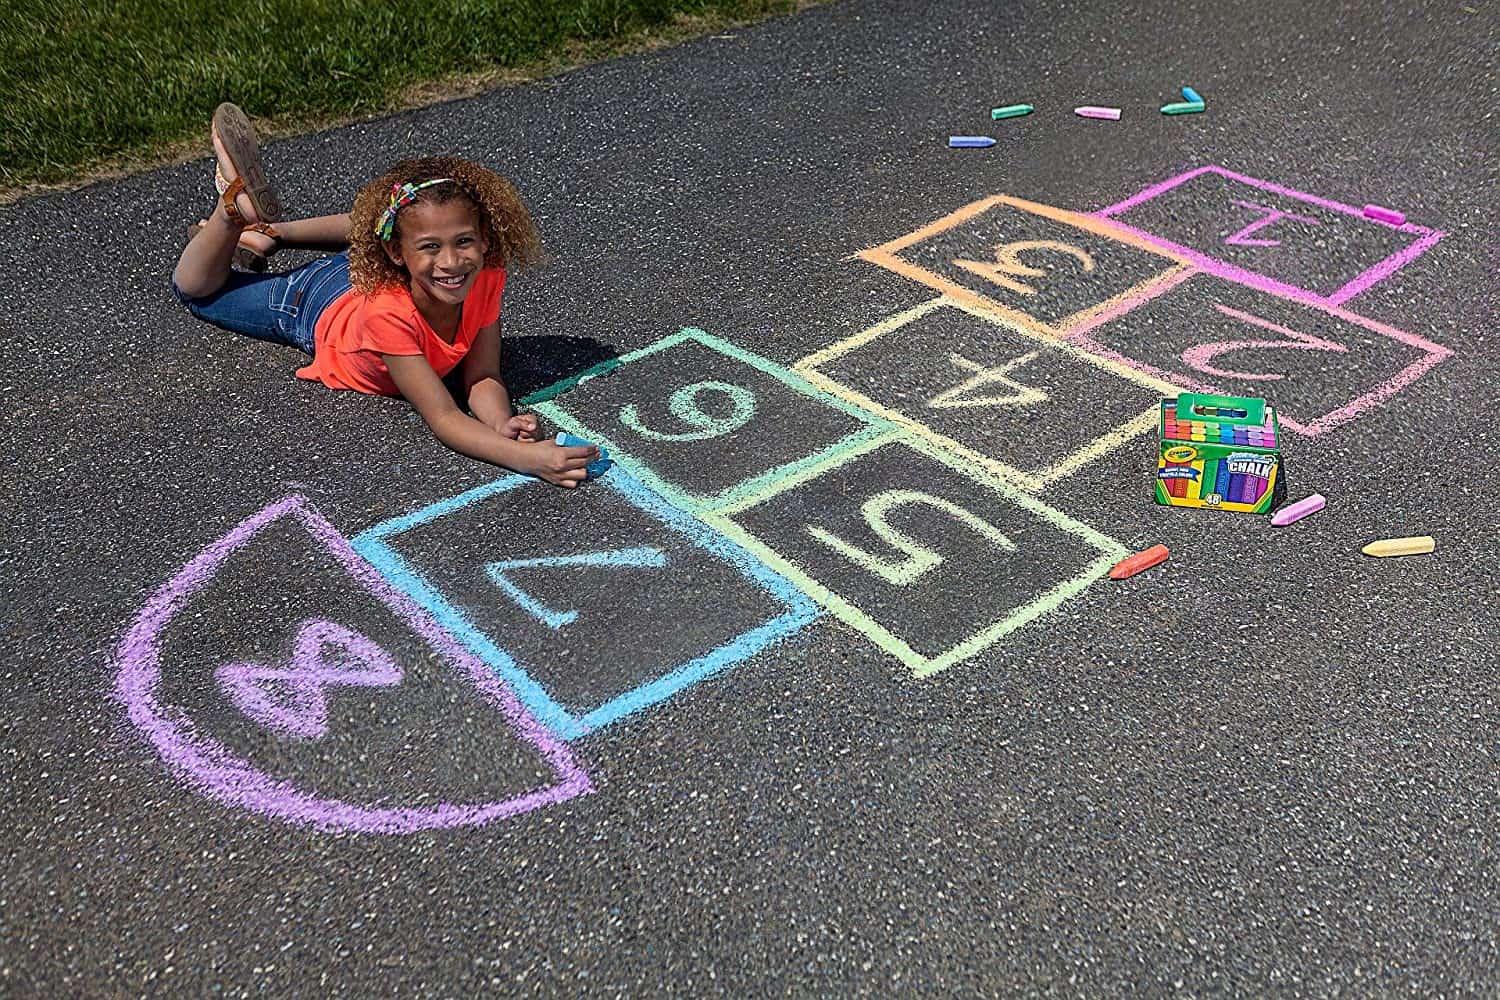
(213, 769)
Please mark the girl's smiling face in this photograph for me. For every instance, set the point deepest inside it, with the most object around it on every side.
(442, 249)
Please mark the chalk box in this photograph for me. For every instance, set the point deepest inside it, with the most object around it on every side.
(1221, 452)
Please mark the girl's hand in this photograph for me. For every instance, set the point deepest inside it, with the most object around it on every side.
(565, 467)
(521, 427)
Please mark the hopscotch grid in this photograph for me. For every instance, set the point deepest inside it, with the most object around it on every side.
(707, 521)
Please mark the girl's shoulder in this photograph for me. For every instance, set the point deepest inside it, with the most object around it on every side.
(390, 300)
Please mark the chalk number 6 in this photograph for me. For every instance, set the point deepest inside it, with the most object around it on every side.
(684, 406)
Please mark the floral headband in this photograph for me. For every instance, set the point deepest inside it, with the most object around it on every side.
(401, 196)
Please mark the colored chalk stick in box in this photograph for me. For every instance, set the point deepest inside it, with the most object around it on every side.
(1221, 452)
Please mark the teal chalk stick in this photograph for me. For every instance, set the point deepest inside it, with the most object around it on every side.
(1011, 111)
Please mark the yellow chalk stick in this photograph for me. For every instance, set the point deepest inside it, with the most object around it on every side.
(1414, 546)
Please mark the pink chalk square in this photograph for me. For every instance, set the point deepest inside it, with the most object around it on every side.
(1321, 365)
(1268, 236)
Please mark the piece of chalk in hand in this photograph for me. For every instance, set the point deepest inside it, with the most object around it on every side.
(595, 468)
(1090, 111)
(1191, 95)
(1384, 215)
(1297, 511)
(970, 141)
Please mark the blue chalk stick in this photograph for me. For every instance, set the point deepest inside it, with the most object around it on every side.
(598, 466)
(1189, 94)
(970, 141)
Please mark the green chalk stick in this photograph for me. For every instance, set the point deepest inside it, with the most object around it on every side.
(1011, 111)
(1210, 480)
(1182, 108)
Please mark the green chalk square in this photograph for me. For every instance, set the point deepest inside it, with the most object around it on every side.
(733, 520)
(690, 464)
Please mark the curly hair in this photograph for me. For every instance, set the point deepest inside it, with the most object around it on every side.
(503, 219)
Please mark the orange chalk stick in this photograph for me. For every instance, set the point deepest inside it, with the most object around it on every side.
(1131, 565)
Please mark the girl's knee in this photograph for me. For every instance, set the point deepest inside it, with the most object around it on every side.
(187, 290)
(179, 294)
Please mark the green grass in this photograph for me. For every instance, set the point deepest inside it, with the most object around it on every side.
(100, 86)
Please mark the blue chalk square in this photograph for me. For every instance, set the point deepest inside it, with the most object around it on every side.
(702, 422)
(589, 626)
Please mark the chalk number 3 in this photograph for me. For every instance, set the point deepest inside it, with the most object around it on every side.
(1008, 268)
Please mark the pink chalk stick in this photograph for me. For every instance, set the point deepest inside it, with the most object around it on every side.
(1089, 111)
(1297, 511)
(1384, 215)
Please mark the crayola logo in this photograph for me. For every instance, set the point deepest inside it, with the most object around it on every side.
(1180, 453)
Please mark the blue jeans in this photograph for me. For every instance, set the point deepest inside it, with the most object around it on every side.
(281, 308)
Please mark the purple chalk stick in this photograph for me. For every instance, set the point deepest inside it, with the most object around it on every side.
(1297, 511)
(1387, 215)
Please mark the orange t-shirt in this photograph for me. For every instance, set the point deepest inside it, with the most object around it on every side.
(355, 330)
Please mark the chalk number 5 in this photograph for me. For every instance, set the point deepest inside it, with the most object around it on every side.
(915, 559)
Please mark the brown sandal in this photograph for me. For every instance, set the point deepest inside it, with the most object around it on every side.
(247, 258)
(237, 136)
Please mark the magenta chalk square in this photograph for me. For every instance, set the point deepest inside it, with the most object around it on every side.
(1322, 365)
(327, 697)
(1270, 237)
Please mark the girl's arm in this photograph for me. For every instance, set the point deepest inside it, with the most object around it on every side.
(422, 388)
(486, 391)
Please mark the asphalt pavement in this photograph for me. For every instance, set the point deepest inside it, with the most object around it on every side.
(822, 688)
